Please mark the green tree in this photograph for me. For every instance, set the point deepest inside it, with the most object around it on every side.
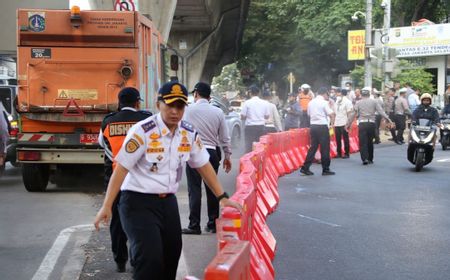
(309, 37)
(228, 80)
(417, 77)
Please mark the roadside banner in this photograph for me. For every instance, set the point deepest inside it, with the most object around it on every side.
(356, 44)
(422, 40)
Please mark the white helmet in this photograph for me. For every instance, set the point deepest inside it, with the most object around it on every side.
(426, 95)
(366, 91)
(305, 86)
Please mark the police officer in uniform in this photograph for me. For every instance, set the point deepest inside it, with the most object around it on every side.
(149, 168)
(365, 110)
(114, 129)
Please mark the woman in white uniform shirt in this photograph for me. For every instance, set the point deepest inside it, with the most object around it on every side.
(149, 168)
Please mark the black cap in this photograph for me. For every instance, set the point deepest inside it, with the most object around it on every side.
(129, 95)
(203, 89)
(173, 91)
(291, 94)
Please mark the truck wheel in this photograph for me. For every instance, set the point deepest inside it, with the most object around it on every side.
(35, 176)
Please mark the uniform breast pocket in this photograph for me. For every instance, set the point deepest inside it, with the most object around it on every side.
(156, 159)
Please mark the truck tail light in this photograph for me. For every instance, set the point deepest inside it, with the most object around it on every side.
(13, 132)
(29, 156)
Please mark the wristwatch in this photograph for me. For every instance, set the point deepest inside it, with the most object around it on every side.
(224, 195)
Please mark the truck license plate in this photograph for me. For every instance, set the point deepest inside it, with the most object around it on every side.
(88, 138)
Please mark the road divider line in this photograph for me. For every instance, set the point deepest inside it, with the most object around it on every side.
(48, 263)
(318, 220)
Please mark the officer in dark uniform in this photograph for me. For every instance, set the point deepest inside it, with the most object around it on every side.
(149, 167)
(114, 129)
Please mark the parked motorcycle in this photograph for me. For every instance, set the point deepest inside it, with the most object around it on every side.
(445, 133)
(421, 143)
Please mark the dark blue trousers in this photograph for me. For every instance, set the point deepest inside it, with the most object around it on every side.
(153, 227)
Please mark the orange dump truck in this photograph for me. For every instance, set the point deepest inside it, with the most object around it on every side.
(71, 66)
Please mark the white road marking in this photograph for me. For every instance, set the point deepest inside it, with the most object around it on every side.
(49, 262)
(318, 221)
(443, 160)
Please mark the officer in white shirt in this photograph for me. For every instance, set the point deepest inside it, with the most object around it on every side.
(255, 112)
(343, 108)
(149, 168)
(321, 116)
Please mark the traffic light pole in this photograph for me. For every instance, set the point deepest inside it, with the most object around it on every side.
(367, 66)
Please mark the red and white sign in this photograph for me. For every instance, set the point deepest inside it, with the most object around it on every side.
(126, 5)
(89, 138)
(31, 137)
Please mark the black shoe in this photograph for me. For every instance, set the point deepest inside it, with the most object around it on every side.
(121, 267)
(209, 229)
(306, 172)
(377, 142)
(399, 142)
(328, 172)
(346, 156)
(370, 161)
(365, 162)
(191, 231)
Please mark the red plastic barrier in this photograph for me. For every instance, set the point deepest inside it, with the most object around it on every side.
(333, 148)
(294, 148)
(258, 267)
(246, 196)
(264, 236)
(231, 263)
(223, 236)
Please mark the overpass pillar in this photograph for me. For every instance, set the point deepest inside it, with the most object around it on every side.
(193, 49)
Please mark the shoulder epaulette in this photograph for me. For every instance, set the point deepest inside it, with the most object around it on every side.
(148, 125)
(187, 126)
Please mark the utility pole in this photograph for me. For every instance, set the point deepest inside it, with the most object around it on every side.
(367, 67)
(386, 5)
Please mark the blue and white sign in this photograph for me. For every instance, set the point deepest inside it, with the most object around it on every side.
(36, 21)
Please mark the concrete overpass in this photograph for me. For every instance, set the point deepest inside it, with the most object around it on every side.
(206, 34)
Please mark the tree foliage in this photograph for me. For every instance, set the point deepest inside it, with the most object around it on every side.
(309, 37)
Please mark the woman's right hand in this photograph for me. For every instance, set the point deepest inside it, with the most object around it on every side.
(103, 215)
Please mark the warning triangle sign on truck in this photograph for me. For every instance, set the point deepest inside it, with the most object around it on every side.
(63, 94)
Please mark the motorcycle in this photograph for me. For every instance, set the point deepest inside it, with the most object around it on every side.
(421, 143)
(445, 133)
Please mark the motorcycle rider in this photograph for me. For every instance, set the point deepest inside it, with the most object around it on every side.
(425, 111)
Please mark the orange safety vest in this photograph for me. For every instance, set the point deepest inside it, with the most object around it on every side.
(304, 100)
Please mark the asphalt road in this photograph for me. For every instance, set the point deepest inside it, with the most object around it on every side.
(380, 221)
(30, 222)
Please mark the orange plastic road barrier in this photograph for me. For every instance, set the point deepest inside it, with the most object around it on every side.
(266, 192)
(286, 150)
(263, 254)
(275, 155)
(333, 148)
(223, 237)
(269, 160)
(246, 196)
(258, 267)
(263, 234)
(354, 145)
(231, 263)
(294, 150)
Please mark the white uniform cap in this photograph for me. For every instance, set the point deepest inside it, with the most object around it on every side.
(305, 86)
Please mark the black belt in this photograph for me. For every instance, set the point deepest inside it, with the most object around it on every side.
(158, 195)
